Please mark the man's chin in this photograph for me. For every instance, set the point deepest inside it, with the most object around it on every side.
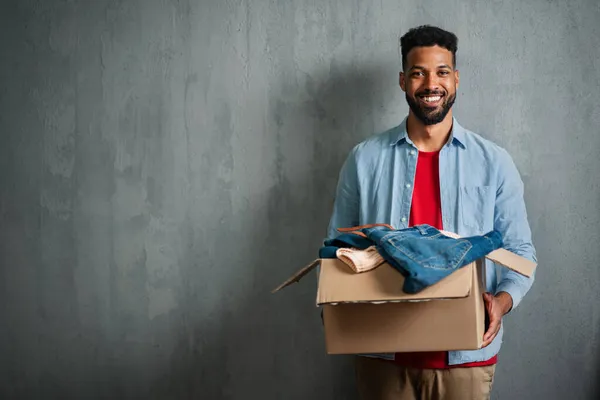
(431, 118)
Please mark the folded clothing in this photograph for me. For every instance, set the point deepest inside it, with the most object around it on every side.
(422, 254)
(345, 240)
(360, 260)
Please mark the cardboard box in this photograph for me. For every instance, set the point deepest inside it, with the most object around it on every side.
(370, 313)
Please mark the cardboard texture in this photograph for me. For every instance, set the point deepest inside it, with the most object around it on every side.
(370, 313)
(338, 284)
(438, 322)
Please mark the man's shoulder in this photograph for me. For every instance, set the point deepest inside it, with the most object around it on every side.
(374, 144)
(477, 142)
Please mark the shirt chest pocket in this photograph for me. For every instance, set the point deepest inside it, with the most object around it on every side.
(477, 208)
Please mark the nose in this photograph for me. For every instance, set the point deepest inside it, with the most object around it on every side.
(431, 82)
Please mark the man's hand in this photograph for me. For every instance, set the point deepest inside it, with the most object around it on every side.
(496, 307)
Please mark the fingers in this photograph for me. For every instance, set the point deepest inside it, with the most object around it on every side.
(492, 331)
(488, 299)
(494, 320)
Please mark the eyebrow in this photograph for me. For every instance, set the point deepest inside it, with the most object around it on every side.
(438, 67)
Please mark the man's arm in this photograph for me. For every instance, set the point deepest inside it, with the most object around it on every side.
(510, 219)
(346, 202)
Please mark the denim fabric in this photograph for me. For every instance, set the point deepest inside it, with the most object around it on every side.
(424, 256)
(481, 190)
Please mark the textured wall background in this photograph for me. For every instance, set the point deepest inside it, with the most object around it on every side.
(164, 164)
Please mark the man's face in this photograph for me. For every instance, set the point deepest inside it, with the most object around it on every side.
(430, 83)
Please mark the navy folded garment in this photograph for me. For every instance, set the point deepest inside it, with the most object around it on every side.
(345, 240)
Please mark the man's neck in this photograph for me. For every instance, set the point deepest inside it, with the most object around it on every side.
(429, 137)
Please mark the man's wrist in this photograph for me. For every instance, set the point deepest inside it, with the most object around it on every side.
(506, 302)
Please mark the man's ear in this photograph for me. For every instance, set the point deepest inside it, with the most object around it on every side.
(456, 78)
(402, 81)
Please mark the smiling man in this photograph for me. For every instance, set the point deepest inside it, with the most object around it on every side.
(430, 170)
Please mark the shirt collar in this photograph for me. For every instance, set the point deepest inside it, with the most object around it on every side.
(457, 135)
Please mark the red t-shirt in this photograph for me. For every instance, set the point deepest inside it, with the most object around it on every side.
(426, 208)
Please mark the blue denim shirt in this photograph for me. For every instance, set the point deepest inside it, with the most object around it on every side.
(481, 190)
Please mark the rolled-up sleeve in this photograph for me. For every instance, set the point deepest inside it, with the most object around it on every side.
(510, 219)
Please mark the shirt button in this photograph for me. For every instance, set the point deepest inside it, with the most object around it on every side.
(412, 152)
(408, 185)
(403, 219)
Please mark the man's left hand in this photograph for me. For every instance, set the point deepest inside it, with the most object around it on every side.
(496, 307)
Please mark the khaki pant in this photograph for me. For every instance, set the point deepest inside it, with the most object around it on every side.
(383, 380)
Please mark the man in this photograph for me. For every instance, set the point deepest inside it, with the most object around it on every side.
(430, 170)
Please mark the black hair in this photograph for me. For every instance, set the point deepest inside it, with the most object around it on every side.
(426, 36)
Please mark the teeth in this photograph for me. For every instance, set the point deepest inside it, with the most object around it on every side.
(432, 99)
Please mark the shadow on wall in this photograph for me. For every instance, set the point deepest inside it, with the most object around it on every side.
(271, 346)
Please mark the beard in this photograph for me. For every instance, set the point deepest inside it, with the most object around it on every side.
(430, 115)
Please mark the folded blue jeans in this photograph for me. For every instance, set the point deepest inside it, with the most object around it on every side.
(422, 254)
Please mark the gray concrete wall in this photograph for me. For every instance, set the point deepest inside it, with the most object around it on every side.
(164, 164)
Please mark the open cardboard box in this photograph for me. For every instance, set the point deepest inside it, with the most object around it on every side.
(370, 313)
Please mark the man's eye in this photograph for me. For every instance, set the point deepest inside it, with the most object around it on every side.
(444, 73)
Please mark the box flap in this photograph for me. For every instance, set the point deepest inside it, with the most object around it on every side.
(506, 258)
(512, 261)
(298, 275)
(339, 284)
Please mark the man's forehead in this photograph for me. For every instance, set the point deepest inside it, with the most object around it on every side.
(429, 57)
